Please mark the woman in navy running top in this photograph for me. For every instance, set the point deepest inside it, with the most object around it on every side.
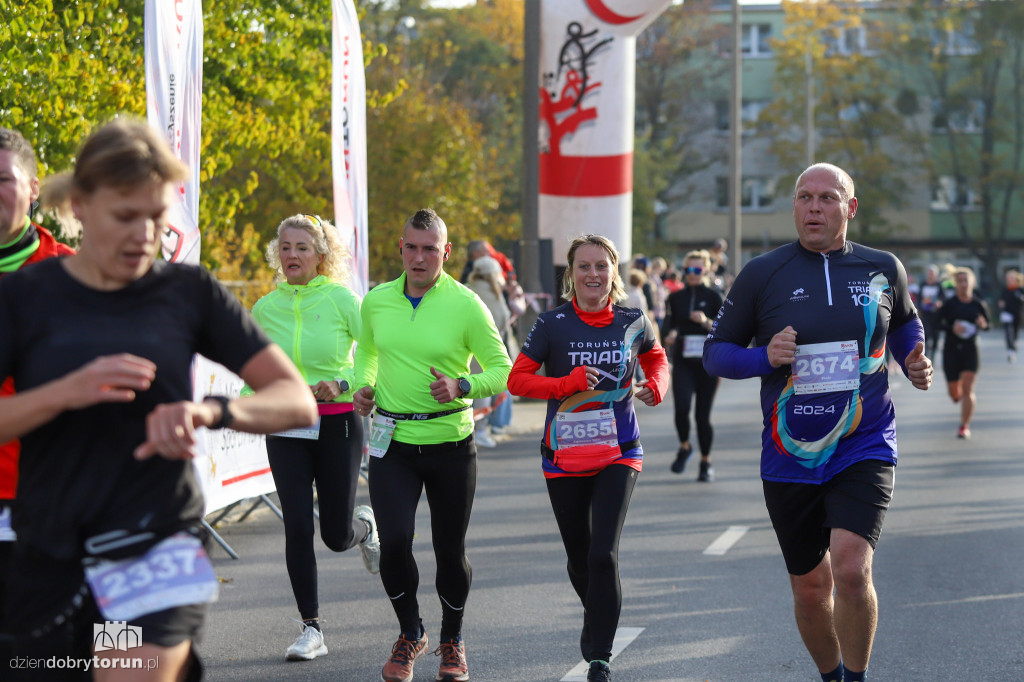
(591, 444)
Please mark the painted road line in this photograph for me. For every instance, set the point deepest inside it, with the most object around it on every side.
(726, 540)
(623, 638)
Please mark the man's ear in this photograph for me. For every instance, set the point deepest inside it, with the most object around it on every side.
(401, 243)
(447, 250)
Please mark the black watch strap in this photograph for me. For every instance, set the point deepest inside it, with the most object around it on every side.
(225, 412)
(465, 386)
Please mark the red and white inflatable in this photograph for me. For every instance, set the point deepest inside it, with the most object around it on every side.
(587, 63)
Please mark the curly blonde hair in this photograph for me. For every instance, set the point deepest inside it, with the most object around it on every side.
(326, 243)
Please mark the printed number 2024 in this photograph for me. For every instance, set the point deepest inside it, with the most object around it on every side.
(814, 409)
(816, 366)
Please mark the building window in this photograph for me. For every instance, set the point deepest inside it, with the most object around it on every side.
(966, 117)
(756, 193)
(755, 40)
(848, 40)
(951, 193)
(956, 41)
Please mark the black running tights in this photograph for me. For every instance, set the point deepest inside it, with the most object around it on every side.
(590, 512)
(332, 463)
(396, 482)
(688, 378)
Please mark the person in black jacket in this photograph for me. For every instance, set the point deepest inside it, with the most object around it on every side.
(689, 315)
(1010, 302)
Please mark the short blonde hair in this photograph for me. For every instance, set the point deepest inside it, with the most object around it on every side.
(964, 270)
(701, 254)
(326, 243)
(618, 292)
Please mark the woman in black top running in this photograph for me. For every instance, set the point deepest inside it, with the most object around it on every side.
(962, 317)
(691, 312)
(100, 346)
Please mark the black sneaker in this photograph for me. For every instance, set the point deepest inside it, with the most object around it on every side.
(599, 672)
(707, 472)
(681, 456)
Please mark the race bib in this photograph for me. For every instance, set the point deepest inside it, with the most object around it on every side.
(381, 432)
(693, 345)
(1006, 317)
(826, 367)
(308, 433)
(172, 573)
(590, 427)
(967, 329)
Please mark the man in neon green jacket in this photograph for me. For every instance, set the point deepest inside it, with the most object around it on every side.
(412, 370)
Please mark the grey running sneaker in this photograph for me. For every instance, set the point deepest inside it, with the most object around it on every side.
(370, 547)
(308, 646)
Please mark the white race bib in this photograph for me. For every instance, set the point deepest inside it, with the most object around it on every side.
(173, 573)
(826, 367)
(7, 533)
(590, 427)
(308, 433)
(693, 345)
(381, 432)
(1006, 317)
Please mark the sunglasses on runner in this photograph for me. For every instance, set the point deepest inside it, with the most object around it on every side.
(694, 270)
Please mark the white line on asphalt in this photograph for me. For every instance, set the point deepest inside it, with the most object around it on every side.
(726, 540)
(623, 638)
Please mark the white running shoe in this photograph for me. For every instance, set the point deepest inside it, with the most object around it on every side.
(370, 547)
(483, 438)
(308, 646)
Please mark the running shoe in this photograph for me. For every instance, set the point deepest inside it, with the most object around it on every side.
(599, 672)
(964, 432)
(370, 546)
(453, 662)
(682, 455)
(308, 646)
(707, 472)
(403, 657)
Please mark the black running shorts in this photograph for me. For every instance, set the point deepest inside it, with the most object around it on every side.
(804, 514)
(958, 356)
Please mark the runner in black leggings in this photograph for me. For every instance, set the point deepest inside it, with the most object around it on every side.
(691, 312)
(591, 449)
(315, 319)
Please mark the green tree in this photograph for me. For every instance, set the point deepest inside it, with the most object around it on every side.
(675, 65)
(967, 60)
(856, 121)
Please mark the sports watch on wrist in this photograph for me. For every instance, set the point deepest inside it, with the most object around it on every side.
(342, 385)
(464, 386)
(225, 412)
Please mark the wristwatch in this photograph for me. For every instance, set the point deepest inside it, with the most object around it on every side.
(464, 386)
(225, 412)
(342, 385)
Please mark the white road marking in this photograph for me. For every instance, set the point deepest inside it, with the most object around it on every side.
(726, 540)
(623, 638)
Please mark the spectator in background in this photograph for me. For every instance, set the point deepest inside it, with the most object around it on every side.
(22, 243)
(487, 281)
(643, 264)
(671, 280)
(720, 277)
(658, 268)
(1010, 302)
(635, 297)
(929, 300)
(478, 248)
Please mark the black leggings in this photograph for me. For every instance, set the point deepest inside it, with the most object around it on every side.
(1011, 330)
(590, 512)
(332, 463)
(689, 377)
(396, 481)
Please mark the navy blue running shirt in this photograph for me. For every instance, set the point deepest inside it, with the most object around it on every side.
(855, 295)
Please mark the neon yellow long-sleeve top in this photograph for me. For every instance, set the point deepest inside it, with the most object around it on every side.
(316, 324)
(399, 344)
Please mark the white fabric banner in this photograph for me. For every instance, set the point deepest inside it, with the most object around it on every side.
(348, 140)
(174, 90)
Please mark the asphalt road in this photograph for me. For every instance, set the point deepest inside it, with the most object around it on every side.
(949, 569)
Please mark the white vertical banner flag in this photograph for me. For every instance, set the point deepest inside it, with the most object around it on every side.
(348, 140)
(174, 91)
